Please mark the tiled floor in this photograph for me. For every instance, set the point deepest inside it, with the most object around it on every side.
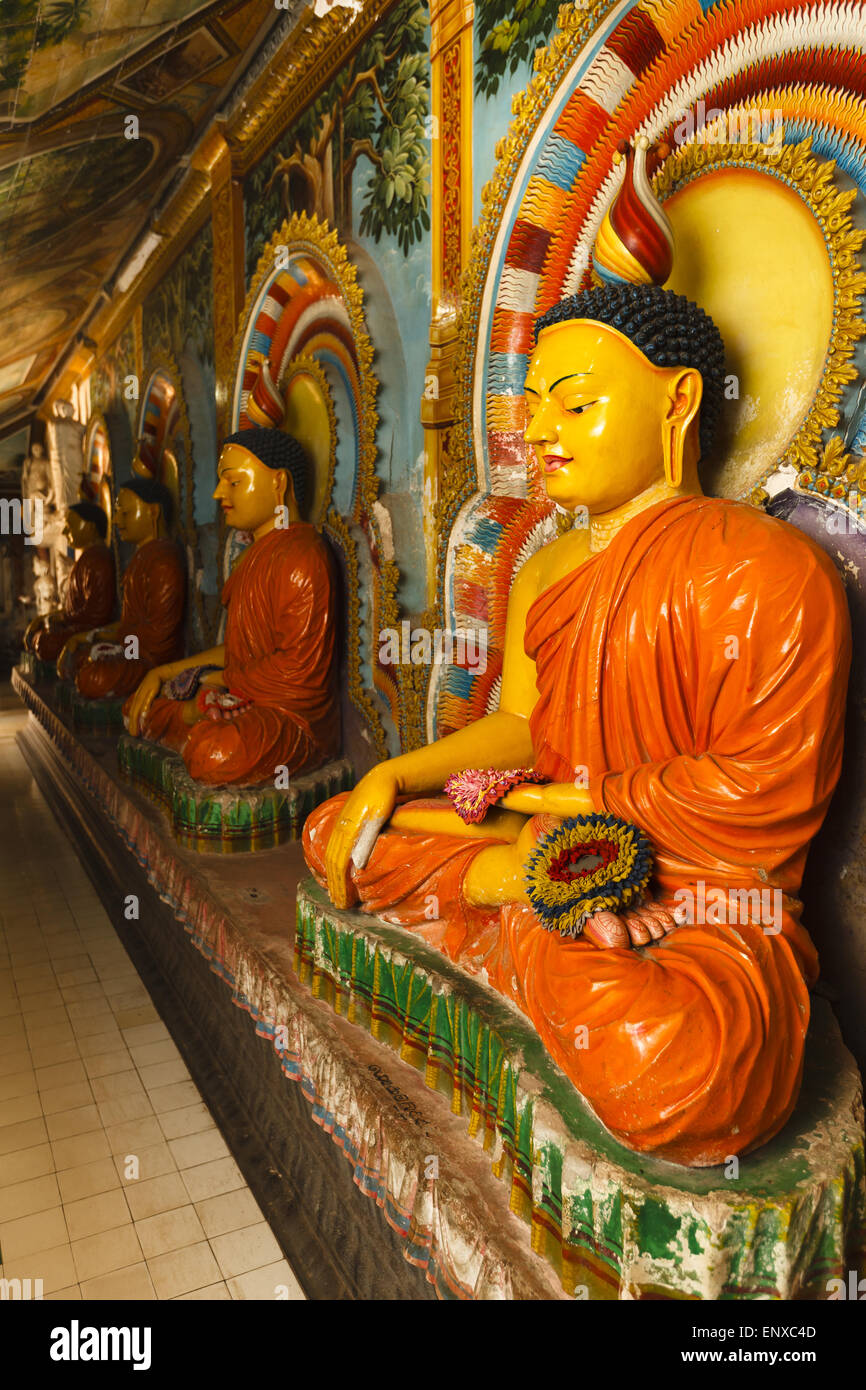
(114, 1180)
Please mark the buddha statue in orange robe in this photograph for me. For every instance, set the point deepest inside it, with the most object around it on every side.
(266, 699)
(111, 661)
(679, 663)
(90, 592)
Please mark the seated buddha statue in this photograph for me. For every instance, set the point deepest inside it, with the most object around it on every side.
(265, 699)
(678, 667)
(110, 661)
(90, 591)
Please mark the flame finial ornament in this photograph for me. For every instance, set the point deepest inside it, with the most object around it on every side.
(265, 405)
(635, 243)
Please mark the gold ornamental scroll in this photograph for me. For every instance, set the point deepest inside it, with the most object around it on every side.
(451, 129)
(213, 158)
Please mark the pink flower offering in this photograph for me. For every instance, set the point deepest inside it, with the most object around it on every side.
(474, 791)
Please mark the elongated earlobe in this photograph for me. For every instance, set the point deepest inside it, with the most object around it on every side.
(685, 402)
(673, 436)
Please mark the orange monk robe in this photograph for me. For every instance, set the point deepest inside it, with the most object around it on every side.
(696, 669)
(281, 653)
(152, 611)
(89, 601)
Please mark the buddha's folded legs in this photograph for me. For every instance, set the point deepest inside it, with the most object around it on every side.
(414, 879)
(47, 645)
(252, 747)
(100, 680)
(165, 723)
(690, 1049)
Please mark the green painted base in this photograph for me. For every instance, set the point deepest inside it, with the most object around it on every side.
(63, 693)
(95, 716)
(39, 672)
(780, 1223)
(227, 820)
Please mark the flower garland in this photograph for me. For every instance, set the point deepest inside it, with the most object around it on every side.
(589, 864)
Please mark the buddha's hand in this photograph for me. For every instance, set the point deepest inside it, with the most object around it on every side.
(555, 798)
(364, 813)
(639, 927)
(145, 694)
(64, 660)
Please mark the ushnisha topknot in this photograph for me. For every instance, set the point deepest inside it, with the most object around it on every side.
(149, 490)
(667, 328)
(635, 243)
(276, 449)
(88, 511)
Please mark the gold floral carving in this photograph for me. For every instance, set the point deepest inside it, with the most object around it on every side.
(138, 340)
(304, 64)
(337, 528)
(812, 178)
(451, 229)
(224, 301)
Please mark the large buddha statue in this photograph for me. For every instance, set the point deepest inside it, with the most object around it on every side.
(111, 661)
(90, 591)
(674, 676)
(266, 699)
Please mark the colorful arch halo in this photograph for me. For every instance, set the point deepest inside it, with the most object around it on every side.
(306, 303)
(97, 475)
(160, 408)
(658, 69)
(302, 329)
(156, 454)
(165, 452)
(606, 76)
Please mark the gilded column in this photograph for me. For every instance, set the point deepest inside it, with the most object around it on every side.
(138, 343)
(213, 157)
(451, 58)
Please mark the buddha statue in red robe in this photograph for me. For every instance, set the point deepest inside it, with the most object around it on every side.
(265, 701)
(91, 588)
(680, 664)
(112, 660)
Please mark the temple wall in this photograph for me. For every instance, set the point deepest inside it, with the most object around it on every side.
(387, 222)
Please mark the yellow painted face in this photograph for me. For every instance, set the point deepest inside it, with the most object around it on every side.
(249, 492)
(78, 532)
(133, 517)
(597, 407)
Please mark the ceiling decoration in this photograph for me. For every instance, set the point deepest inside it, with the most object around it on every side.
(78, 180)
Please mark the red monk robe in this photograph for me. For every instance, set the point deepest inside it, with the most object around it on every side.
(154, 599)
(726, 756)
(88, 603)
(280, 647)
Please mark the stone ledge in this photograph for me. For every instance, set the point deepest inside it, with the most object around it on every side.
(455, 1228)
(227, 820)
(93, 716)
(610, 1223)
(42, 672)
(794, 1217)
